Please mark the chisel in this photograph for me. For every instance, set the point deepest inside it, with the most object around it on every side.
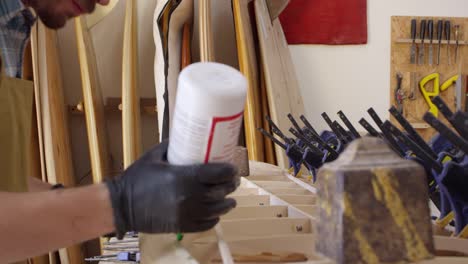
(447, 36)
(413, 46)
(457, 38)
(430, 33)
(439, 38)
(422, 35)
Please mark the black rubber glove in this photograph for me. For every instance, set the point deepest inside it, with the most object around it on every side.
(152, 196)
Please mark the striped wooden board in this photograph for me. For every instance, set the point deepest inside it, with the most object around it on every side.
(205, 30)
(160, 34)
(93, 103)
(182, 14)
(54, 122)
(281, 83)
(131, 127)
(249, 67)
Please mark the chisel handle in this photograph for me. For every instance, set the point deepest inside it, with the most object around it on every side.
(422, 33)
(413, 29)
(447, 30)
(440, 25)
(430, 29)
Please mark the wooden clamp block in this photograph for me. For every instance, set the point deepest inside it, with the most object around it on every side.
(373, 207)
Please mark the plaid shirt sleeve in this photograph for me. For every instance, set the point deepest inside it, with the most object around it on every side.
(15, 27)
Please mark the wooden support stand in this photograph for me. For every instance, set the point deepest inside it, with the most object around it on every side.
(114, 106)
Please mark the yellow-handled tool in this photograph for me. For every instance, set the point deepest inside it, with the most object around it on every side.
(436, 90)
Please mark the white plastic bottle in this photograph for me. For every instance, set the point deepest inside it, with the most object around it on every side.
(207, 115)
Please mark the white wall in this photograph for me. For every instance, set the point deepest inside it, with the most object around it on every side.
(353, 78)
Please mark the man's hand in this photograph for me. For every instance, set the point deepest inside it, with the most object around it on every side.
(152, 196)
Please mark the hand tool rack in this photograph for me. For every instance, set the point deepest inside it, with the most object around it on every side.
(401, 42)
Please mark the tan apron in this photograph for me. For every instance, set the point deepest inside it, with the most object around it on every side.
(16, 102)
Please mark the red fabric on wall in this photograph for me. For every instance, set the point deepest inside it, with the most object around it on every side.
(333, 22)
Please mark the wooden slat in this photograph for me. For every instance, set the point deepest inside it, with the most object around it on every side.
(182, 12)
(291, 84)
(130, 95)
(270, 155)
(275, 7)
(267, 178)
(451, 243)
(252, 200)
(248, 66)
(37, 100)
(186, 52)
(266, 227)
(160, 32)
(206, 32)
(276, 184)
(260, 168)
(295, 191)
(245, 191)
(256, 228)
(37, 166)
(57, 147)
(93, 103)
(242, 212)
(281, 83)
(299, 199)
(309, 209)
(287, 243)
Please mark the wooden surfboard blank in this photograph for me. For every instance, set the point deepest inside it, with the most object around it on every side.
(249, 67)
(270, 155)
(160, 31)
(57, 147)
(93, 103)
(37, 102)
(281, 83)
(130, 97)
(275, 7)
(182, 13)
(206, 32)
(37, 162)
(186, 52)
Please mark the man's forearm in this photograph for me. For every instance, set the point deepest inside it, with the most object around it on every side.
(35, 223)
(36, 185)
